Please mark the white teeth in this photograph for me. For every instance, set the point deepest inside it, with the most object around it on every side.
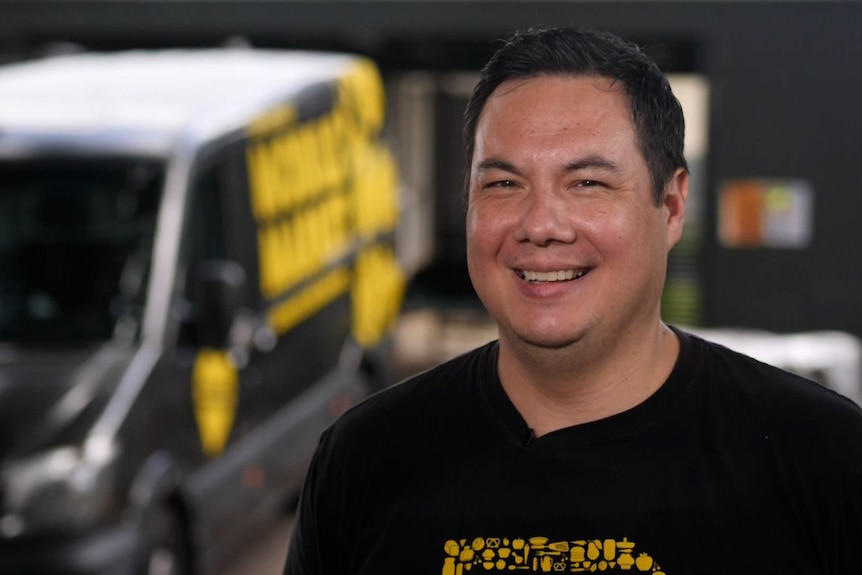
(557, 276)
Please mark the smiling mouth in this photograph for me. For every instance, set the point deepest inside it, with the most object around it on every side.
(557, 276)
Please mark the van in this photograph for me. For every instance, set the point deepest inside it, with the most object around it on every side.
(197, 275)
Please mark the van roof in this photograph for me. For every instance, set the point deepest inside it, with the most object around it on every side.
(143, 101)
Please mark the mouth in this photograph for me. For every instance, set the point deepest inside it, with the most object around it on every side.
(553, 276)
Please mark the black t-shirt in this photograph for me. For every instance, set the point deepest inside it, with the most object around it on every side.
(732, 466)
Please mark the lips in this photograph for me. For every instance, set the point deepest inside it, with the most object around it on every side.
(552, 276)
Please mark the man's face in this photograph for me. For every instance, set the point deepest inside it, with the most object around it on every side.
(564, 240)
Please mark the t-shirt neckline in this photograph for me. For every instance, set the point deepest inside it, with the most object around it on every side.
(631, 421)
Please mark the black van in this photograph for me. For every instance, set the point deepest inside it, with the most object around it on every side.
(197, 274)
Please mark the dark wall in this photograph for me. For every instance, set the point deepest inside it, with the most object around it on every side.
(786, 87)
(785, 79)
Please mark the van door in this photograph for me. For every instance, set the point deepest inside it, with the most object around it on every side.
(244, 378)
(223, 389)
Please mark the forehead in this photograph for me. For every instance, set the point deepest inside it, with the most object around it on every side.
(574, 94)
(555, 109)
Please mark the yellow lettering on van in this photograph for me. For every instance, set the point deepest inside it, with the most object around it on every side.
(298, 248)
(378, 291)
(317, 240)
(276, 119)
(324, 232)
(304, 238)
(261, 180)
(375, 189)
(363, 88)
(293, 311)
(378, 284)
(311, 163)
(275, 167)
(292, 173)
(331, 151)
(296, 178)
(268, 244)
(265, 159)
(325, 158)
(318, 153)
(321, 189)
(280, 258)
(215, 389)
(337, 224)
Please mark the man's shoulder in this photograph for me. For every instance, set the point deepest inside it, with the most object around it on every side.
(772, 392)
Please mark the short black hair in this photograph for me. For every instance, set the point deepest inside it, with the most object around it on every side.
(658, 117)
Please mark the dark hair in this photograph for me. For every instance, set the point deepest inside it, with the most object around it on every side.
(657, 114)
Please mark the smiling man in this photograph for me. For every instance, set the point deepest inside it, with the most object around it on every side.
(567, 247)
(591, 436)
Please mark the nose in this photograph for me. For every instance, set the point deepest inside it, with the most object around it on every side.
(544, 219)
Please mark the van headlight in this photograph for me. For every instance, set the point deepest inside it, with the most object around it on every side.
(58, 490)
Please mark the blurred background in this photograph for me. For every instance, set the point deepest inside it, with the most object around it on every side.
(770, 261)
(772, 92)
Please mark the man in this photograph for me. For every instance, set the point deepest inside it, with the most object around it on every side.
(591, 436)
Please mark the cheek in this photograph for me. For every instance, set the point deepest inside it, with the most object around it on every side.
(609, 230)
(485, 231)
(637, 241)
(473, 240)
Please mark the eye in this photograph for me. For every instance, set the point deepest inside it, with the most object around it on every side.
(499, 184)
(589, 183)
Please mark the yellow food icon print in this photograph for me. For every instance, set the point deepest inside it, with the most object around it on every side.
(215, 386)
(541, 555)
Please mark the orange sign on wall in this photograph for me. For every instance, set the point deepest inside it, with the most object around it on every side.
(765, 213)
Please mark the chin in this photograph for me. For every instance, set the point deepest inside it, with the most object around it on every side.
(548, 338)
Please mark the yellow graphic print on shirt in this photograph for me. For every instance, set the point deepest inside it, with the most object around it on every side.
(540, 555)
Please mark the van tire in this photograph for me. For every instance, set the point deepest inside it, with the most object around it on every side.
(164, 551)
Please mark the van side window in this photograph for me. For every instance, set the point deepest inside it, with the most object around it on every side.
(75, 243)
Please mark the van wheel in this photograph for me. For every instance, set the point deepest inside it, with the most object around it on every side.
(164, 551)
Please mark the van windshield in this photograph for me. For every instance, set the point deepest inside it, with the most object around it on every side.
(76, 238)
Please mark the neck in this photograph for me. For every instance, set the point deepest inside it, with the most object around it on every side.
(554, 389)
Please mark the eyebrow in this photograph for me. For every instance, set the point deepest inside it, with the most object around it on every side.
(497, 164)
(597, 162)
(594, 161)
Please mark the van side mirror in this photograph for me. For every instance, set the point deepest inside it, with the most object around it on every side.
(221, 285)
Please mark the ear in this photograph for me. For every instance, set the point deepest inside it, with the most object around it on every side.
(675, 196)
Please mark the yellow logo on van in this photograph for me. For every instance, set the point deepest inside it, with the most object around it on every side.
(325, 199)
(215, 389)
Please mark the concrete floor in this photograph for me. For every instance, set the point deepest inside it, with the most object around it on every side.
(266, 556)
